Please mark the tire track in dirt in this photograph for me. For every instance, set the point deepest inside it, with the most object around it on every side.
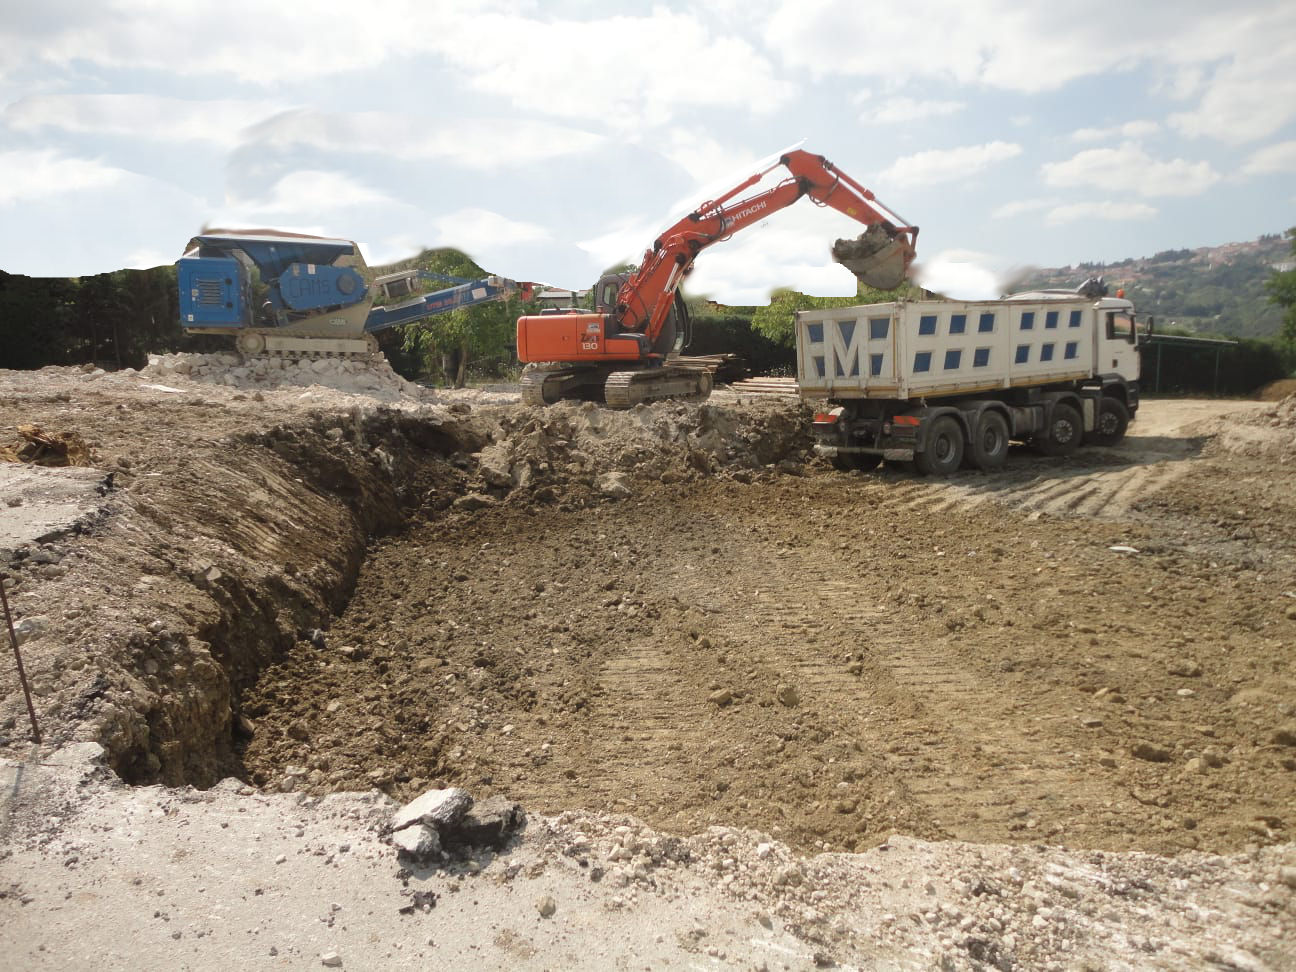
(964, 756)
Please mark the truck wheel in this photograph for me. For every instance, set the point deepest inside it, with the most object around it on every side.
(944, 449)
(850, 461)
(989, 445)
(1111, 423)
(1064, 433)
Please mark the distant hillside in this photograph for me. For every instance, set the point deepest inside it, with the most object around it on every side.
(1209, 290)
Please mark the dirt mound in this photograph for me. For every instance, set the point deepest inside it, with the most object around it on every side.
(581, 445)
(1263, 433)
(1277, 390)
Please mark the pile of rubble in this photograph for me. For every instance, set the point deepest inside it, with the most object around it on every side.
(367, 375)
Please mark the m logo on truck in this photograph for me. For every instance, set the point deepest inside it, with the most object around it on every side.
(833, 349)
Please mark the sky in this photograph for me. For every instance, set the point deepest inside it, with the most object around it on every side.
(551, 140)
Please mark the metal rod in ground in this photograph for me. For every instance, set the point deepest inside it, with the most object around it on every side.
(22, 675)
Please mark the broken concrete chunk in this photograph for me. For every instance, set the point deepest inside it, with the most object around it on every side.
(489, 824)
(421, 842)
(436, 808)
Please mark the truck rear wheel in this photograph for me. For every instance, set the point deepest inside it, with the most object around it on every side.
(1111, 422)
(944, 449)
(989, 446)
(1064, 433)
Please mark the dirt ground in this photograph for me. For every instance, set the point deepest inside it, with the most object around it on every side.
(968, 659)
(674, 614)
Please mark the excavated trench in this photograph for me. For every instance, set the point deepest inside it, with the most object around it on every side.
(670, 612)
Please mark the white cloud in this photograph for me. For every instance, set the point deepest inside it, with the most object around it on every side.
(886, 110)
(1130, 169)
(1019, 206)
(138, 116)
(474, 230)
(479, 143)
(946, 165)
(1236, 57)
(200, 37)
(1251, 96)
(307, 192)
(27, 175)
(1133, 129)
(1272, 158)
(625, 71)
(625, 241)
(703, 157)
(76, 217)
(1113, 211)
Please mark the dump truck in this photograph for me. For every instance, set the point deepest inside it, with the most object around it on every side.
(941, 384)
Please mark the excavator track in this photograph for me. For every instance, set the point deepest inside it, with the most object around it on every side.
(626, 389)
(617, 389)
(547, 385)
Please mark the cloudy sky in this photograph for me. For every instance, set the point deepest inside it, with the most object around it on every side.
(552, 139)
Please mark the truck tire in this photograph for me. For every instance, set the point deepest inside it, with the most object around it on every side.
(1064, 433)
(851, 461)
(988, 449)
(1111, 422)
(944, 449)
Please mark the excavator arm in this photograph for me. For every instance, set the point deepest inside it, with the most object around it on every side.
(646, 298)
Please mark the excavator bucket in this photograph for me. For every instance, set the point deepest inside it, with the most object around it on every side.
(877, 257)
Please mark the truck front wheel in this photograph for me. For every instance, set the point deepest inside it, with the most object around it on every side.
(944, 449)
(1064, 433)
(989, 446)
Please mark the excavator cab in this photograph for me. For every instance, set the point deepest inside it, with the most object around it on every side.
(676, 334)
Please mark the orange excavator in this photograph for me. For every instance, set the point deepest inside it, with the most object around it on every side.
(626, 350)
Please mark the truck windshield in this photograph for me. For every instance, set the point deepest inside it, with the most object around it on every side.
(1120, 327)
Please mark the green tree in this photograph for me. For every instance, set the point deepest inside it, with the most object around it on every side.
(1281, 287)
(444, 345)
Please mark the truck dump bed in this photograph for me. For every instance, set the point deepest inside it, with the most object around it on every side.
(919, 348)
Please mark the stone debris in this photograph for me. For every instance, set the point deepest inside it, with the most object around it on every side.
(420, 842)
(546, 906)
(447, 820)
(439, 809)
(488, 824)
